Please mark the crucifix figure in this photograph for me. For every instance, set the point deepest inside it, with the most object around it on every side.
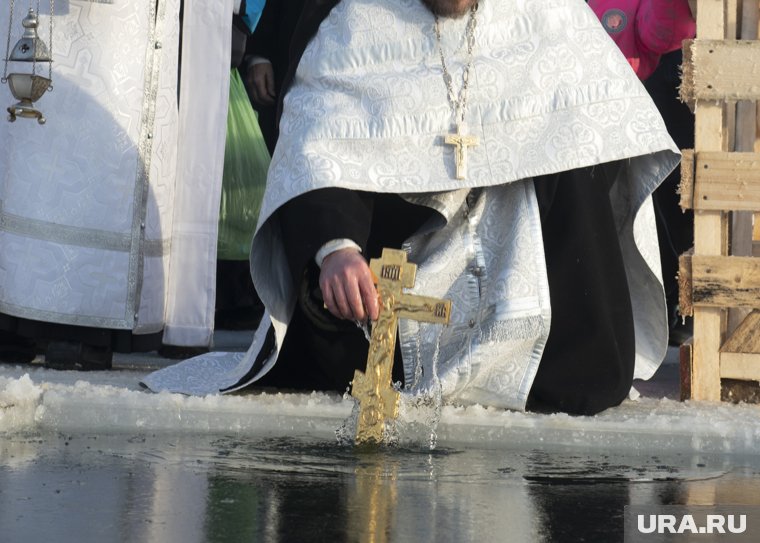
(461, 142)
(378, 400)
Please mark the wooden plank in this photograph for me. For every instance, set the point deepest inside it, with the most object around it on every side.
(685, 305)
(743, 366)
(741, 233)
(709, 322)
(746, 337)
(732, 18)
(746, 110)
(708, 332)
(741, 221)
(725, 281)
(710, 227)
(721, 69)
(685, 359)
(729, 116)
(751, 31)
(746, 126)
(744, 140)
(724, 181)
(686, 186)
(686, 89)
(750, 19)
(741, 245)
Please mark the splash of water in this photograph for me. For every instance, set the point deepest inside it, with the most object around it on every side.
(419, 410)
(347, 430)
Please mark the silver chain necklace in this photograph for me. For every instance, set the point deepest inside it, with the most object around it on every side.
(458, 103)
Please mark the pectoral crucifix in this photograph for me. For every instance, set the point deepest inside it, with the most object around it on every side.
(461, 142)
(378, 400)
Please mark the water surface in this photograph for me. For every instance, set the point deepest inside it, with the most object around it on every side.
(201, 488)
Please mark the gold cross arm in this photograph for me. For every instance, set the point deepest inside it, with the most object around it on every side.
(378, 400)
(461, 142)
(425, 309)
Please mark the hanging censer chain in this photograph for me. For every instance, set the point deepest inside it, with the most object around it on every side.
(8, 45)
(50, 41)
(34, 56)
(458, 103)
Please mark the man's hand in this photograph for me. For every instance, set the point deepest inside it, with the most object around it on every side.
(261, 83)
(347, 287)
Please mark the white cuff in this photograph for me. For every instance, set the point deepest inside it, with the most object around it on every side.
(255, 59)
(332, 246)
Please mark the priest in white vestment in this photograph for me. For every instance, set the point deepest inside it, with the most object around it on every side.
(543, 238)
(108, 212)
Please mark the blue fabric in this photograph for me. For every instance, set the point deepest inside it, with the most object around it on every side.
(253, 9)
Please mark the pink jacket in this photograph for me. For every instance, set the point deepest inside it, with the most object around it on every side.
(644, 30)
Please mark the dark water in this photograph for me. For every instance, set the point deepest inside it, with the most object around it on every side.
(148, 488)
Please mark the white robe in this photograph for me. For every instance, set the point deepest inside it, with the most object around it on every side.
(549, 92)
(108, 212)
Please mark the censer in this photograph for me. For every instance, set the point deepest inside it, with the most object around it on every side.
(28, 87)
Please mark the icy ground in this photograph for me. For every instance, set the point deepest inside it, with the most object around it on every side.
(36, 399)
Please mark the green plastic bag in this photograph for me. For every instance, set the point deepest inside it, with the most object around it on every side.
(246, 161)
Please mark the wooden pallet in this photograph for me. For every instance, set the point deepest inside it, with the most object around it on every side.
(720, 277)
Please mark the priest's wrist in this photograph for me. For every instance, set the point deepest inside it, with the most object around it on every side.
(347, 287)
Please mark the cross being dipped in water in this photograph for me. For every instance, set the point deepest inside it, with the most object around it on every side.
(378, 400)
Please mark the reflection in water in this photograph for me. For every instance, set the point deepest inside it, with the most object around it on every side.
(169, 480)
(193, 489)
(374, 494)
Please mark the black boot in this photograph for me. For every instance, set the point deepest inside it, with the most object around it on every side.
(75, 355)
(15, 349)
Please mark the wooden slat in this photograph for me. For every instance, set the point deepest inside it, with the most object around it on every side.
(742, 366)
(686, 360)
(744, 140)
(730, 32)
(741, 245)
(750, 19)
(710, 237)
(720, 69)
(725, 281)
(710, 227)
(686, 89)
(685, 305)
(747, 112)
(746, 337)
(746, 126)
(686, 187)
(722, 181)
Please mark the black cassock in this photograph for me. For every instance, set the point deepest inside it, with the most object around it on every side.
(588, 362)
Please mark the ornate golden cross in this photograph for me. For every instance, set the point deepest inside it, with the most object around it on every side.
(461, 142)
(378, 400)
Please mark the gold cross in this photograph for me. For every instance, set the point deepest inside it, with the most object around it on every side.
(461, 142)
(378, 400)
